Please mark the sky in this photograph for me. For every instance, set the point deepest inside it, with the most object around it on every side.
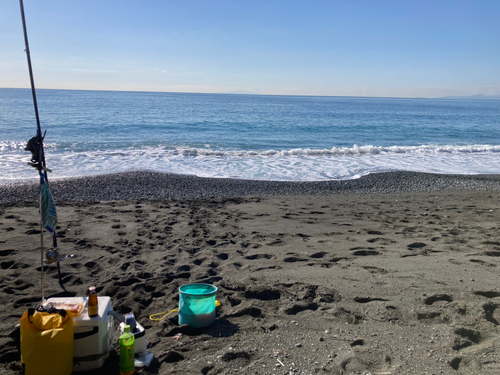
(337, 48)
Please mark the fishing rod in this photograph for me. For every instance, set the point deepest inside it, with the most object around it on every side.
(33, 92)
(35, 145)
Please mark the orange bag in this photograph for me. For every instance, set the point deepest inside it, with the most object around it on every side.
(47, 342)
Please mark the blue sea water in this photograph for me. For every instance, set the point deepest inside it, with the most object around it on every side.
(292, 138)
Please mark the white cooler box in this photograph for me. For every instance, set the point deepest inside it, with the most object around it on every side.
(93, 336)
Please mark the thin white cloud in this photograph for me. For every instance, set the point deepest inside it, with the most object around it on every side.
(88, 70)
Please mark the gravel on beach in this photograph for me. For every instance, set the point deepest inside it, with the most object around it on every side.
(153, 186)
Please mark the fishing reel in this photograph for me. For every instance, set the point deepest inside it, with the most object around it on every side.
(52, 255)
(35, 145)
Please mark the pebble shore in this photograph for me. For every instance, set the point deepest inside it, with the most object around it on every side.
(152, 186)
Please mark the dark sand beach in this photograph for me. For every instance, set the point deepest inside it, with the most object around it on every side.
(393, 273)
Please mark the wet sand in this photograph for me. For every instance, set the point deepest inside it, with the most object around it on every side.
(395, 273)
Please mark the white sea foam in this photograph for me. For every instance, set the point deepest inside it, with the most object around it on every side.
(334, 151)
(300, 152)
(283, 165)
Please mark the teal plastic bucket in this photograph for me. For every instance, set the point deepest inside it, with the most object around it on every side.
(197, 305)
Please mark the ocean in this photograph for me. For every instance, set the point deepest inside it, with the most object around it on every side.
(257, 137)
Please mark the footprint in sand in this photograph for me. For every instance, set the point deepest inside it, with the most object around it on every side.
(366, 252)
(299, 307)
(223, 256)
(318, 255)
(262, 293)
(374, 232)
(198, 262)
(416, 245)
(294, 259)
(438, 297)
(367, 361)
(252, 311)
(492, 253)
(348, 316)
(4, 253)
(487, 294)
(31, 231)
(429, 315)
(490, 312)
(233, 301)
(466, 337)
(305, 237)
(479, 261)
(259, 256)
(368, 299)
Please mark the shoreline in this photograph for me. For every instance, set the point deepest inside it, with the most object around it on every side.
(144, 185)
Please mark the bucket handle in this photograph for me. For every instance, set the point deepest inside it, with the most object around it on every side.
(160, 316)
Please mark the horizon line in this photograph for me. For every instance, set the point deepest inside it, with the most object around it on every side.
(480, 96)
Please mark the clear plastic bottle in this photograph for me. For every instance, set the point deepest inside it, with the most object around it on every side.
(127, 366)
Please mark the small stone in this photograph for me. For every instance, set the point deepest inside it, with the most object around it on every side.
(321, 339)
(298, 345)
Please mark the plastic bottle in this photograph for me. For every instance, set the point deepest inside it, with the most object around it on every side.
(127, 366)
(93, 304)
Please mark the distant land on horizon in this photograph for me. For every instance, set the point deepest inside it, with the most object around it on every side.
(477, 97)
(471, 97)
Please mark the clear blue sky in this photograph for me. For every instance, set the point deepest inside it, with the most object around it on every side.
(351, 47)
